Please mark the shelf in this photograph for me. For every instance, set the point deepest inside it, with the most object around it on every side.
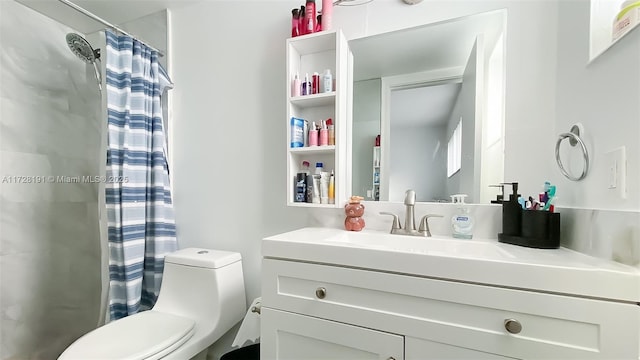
(603, 13)
(321, 99)
(312, 205)
(313, 149)
(313, 43)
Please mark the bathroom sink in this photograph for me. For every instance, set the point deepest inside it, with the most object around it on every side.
(480, 261)
(420, 245)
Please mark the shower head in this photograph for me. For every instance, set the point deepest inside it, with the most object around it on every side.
(85, 52)
(82, 48)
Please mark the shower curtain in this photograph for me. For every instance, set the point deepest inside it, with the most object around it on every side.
(141, 226)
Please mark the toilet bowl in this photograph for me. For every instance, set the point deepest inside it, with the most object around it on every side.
(202, 296)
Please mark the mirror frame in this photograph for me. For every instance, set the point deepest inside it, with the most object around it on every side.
(497, 30)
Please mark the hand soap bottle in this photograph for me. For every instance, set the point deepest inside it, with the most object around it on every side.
(462, 221)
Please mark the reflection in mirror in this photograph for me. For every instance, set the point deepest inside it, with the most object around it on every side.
(435, 97)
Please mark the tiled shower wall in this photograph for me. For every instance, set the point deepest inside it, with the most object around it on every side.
(50, 280)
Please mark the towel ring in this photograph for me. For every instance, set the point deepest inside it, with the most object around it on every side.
(574, 139)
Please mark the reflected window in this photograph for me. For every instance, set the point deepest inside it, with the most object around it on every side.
(454, 150)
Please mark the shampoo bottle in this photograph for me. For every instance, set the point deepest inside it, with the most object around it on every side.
(462, 221)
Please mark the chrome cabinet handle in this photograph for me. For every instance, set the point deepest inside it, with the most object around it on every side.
(513, 326)
(321, 293)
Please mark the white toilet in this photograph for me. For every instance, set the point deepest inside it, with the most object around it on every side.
(202, 296)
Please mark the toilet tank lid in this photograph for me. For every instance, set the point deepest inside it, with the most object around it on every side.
(205, 258)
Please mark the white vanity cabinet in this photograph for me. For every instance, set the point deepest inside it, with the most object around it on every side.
(313, 310)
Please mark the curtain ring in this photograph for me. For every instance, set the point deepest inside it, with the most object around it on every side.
(574, 139)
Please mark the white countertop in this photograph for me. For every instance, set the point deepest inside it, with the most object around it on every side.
(480, 261)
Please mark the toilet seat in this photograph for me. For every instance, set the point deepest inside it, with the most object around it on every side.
(147, 335)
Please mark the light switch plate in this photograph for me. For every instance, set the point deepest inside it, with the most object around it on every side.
(616, 165)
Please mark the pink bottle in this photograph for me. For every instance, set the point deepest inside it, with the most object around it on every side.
(315, 83)
(313, 135)
(310, 17)
(327, 15)
(323, 137)
(295, 86)
(301, 17)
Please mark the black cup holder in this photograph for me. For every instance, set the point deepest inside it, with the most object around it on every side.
(539, 229)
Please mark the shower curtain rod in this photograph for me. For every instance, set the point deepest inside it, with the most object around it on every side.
(105, 22)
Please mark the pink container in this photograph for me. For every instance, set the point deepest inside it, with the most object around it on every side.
(313, 137)
(324, 137)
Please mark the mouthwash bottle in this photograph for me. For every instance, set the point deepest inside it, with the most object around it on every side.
(462, 221)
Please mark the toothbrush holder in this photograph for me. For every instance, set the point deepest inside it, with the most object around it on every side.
(539, 229)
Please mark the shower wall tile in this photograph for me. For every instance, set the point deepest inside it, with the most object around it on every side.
(50, 125)
(45, 229)
(608, 234)
(17, 132)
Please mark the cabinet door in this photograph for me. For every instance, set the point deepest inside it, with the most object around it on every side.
(421, 349)
(286, 335)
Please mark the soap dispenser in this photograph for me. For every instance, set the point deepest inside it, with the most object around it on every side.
(462, 221)
(511, 214)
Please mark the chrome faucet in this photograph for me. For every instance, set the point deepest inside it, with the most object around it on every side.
(409, 218)
(409, 205)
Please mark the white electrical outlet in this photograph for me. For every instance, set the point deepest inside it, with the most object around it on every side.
(616, 162)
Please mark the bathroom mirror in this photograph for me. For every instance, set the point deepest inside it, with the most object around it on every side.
(436, 98)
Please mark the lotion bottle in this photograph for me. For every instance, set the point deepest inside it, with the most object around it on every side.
(462, 221)
(313, 135)
(295, 86)
(323, 135)
(327, 81)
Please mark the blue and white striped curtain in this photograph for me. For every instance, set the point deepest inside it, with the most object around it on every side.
(138, 197)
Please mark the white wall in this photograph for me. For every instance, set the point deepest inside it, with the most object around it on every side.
(604, 96)
(230, 127)
(50, 282)
(366, 126)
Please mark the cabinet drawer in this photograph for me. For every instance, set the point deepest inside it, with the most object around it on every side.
(285, 335)
(467, 315)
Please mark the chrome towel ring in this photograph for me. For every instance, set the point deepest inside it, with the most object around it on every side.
(574, 139)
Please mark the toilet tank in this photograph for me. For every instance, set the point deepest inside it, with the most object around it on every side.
(203, 284)
(202, 258)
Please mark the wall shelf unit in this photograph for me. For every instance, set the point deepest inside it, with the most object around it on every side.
(601, 29)
(314, 53)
